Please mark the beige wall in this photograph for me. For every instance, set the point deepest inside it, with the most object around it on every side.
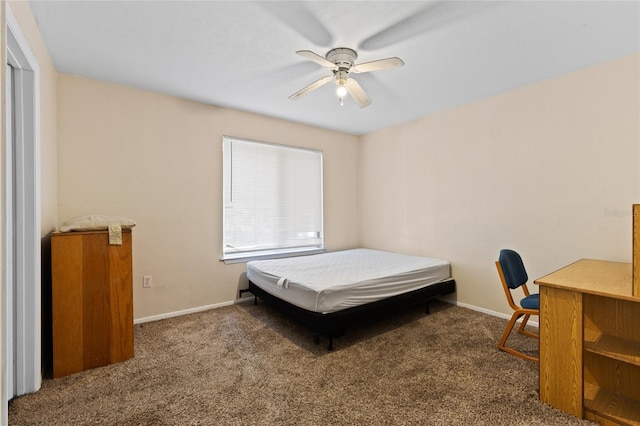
(550, 170)
(48, 119)
(158, 160)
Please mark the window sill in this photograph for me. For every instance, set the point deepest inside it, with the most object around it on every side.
(270, 254)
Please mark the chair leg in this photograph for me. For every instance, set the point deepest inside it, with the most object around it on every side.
(522, 330)
(507, 331)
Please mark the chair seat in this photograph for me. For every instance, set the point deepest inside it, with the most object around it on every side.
(531, 302)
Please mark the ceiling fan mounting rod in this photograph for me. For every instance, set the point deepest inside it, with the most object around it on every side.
(341, 77)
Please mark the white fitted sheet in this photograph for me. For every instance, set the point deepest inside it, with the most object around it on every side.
(339, 280)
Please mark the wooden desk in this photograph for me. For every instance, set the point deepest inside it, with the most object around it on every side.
(590, 342)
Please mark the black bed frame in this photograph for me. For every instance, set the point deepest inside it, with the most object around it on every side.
(333, 324)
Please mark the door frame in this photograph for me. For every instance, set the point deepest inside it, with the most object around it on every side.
(21, 316)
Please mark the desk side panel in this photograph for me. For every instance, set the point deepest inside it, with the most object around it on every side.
(121, 300)
(95, 292)
(636, 250)
(561, 349)
(66, 269)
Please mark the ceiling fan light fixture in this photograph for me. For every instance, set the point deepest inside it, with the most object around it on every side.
(341, 91)
(341, 81)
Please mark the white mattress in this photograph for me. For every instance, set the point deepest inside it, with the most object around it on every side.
(334, 281)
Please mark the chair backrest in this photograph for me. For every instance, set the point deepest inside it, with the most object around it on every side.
(513, 268)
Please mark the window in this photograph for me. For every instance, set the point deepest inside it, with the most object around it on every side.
(272, 197)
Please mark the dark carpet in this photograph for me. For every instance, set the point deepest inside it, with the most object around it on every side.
(246, 364)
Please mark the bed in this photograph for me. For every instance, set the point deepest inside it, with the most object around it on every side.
(330, 291)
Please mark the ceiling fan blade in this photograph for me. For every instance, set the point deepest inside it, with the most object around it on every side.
(299, 17)
(417, 23)
(357, 93)
(310, 88)
(380, 64)
(428, 17)
(316, 58)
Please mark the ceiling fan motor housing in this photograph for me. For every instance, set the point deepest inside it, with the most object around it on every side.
(343, 57)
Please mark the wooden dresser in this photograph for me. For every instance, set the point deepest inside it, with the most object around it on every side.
(92, 300)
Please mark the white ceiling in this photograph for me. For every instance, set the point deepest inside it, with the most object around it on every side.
(241, 54)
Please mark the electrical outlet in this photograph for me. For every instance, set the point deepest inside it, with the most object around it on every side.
(146, 281)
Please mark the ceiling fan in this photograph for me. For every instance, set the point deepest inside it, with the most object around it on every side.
(341, 62)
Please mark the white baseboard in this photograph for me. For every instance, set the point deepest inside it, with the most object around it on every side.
(250, 299)
(191, 310)
(488, 312)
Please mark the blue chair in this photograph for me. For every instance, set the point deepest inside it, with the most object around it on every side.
(513, 275)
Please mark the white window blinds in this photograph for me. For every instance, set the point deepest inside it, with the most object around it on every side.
(272, 199)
